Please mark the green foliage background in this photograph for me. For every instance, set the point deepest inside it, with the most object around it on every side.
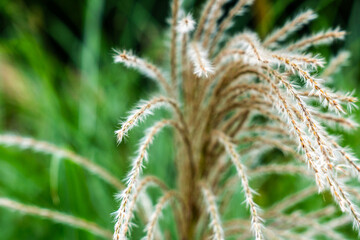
(58, 83)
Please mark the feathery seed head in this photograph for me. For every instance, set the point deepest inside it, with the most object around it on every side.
(186, 24)
(199, 58)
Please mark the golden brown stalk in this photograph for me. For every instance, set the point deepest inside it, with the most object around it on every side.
(234, 132)
(251, 42)
(342, 198)
(244, 104)
(342, 98)
(214, 16)
(204, 16)
(233, 120)
(265, 112)
(305, 60)
(185, 71)
(175, 13)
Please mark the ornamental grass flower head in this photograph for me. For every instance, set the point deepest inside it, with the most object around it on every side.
(219, 86)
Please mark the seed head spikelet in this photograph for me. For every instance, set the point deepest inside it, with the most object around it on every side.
(289, 27)
(215, 221)
(143, 110)
(186, 24)
(199, 58)
(143, 66)
(127, 195)
(150, 228)
(338, 61)
(146, 181)
(256, 221)
(226, 23)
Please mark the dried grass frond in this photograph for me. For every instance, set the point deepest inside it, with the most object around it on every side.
(143, 66)
(48, 148)
(290, 201)
(213, 18)
(203, 18)
(279, 169)
(336, 62)
(325, 37)
(226, 23)
(199, 58)
(215, 221)
(56, 217)
(143, 184)
(150, 228)
(329, 118)
(142, 111)
(290, 26)
(297, 220)
(123, 215)
(256, 221)
(314, 83)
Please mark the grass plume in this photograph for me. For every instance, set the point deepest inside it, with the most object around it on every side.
(224, 86)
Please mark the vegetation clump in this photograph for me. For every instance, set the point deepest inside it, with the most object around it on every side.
(232, 99)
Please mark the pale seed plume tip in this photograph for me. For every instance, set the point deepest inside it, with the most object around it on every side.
(186, 24)
(123, 56)
(199, 58)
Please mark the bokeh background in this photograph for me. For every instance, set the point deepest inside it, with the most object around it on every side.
(58, 83)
